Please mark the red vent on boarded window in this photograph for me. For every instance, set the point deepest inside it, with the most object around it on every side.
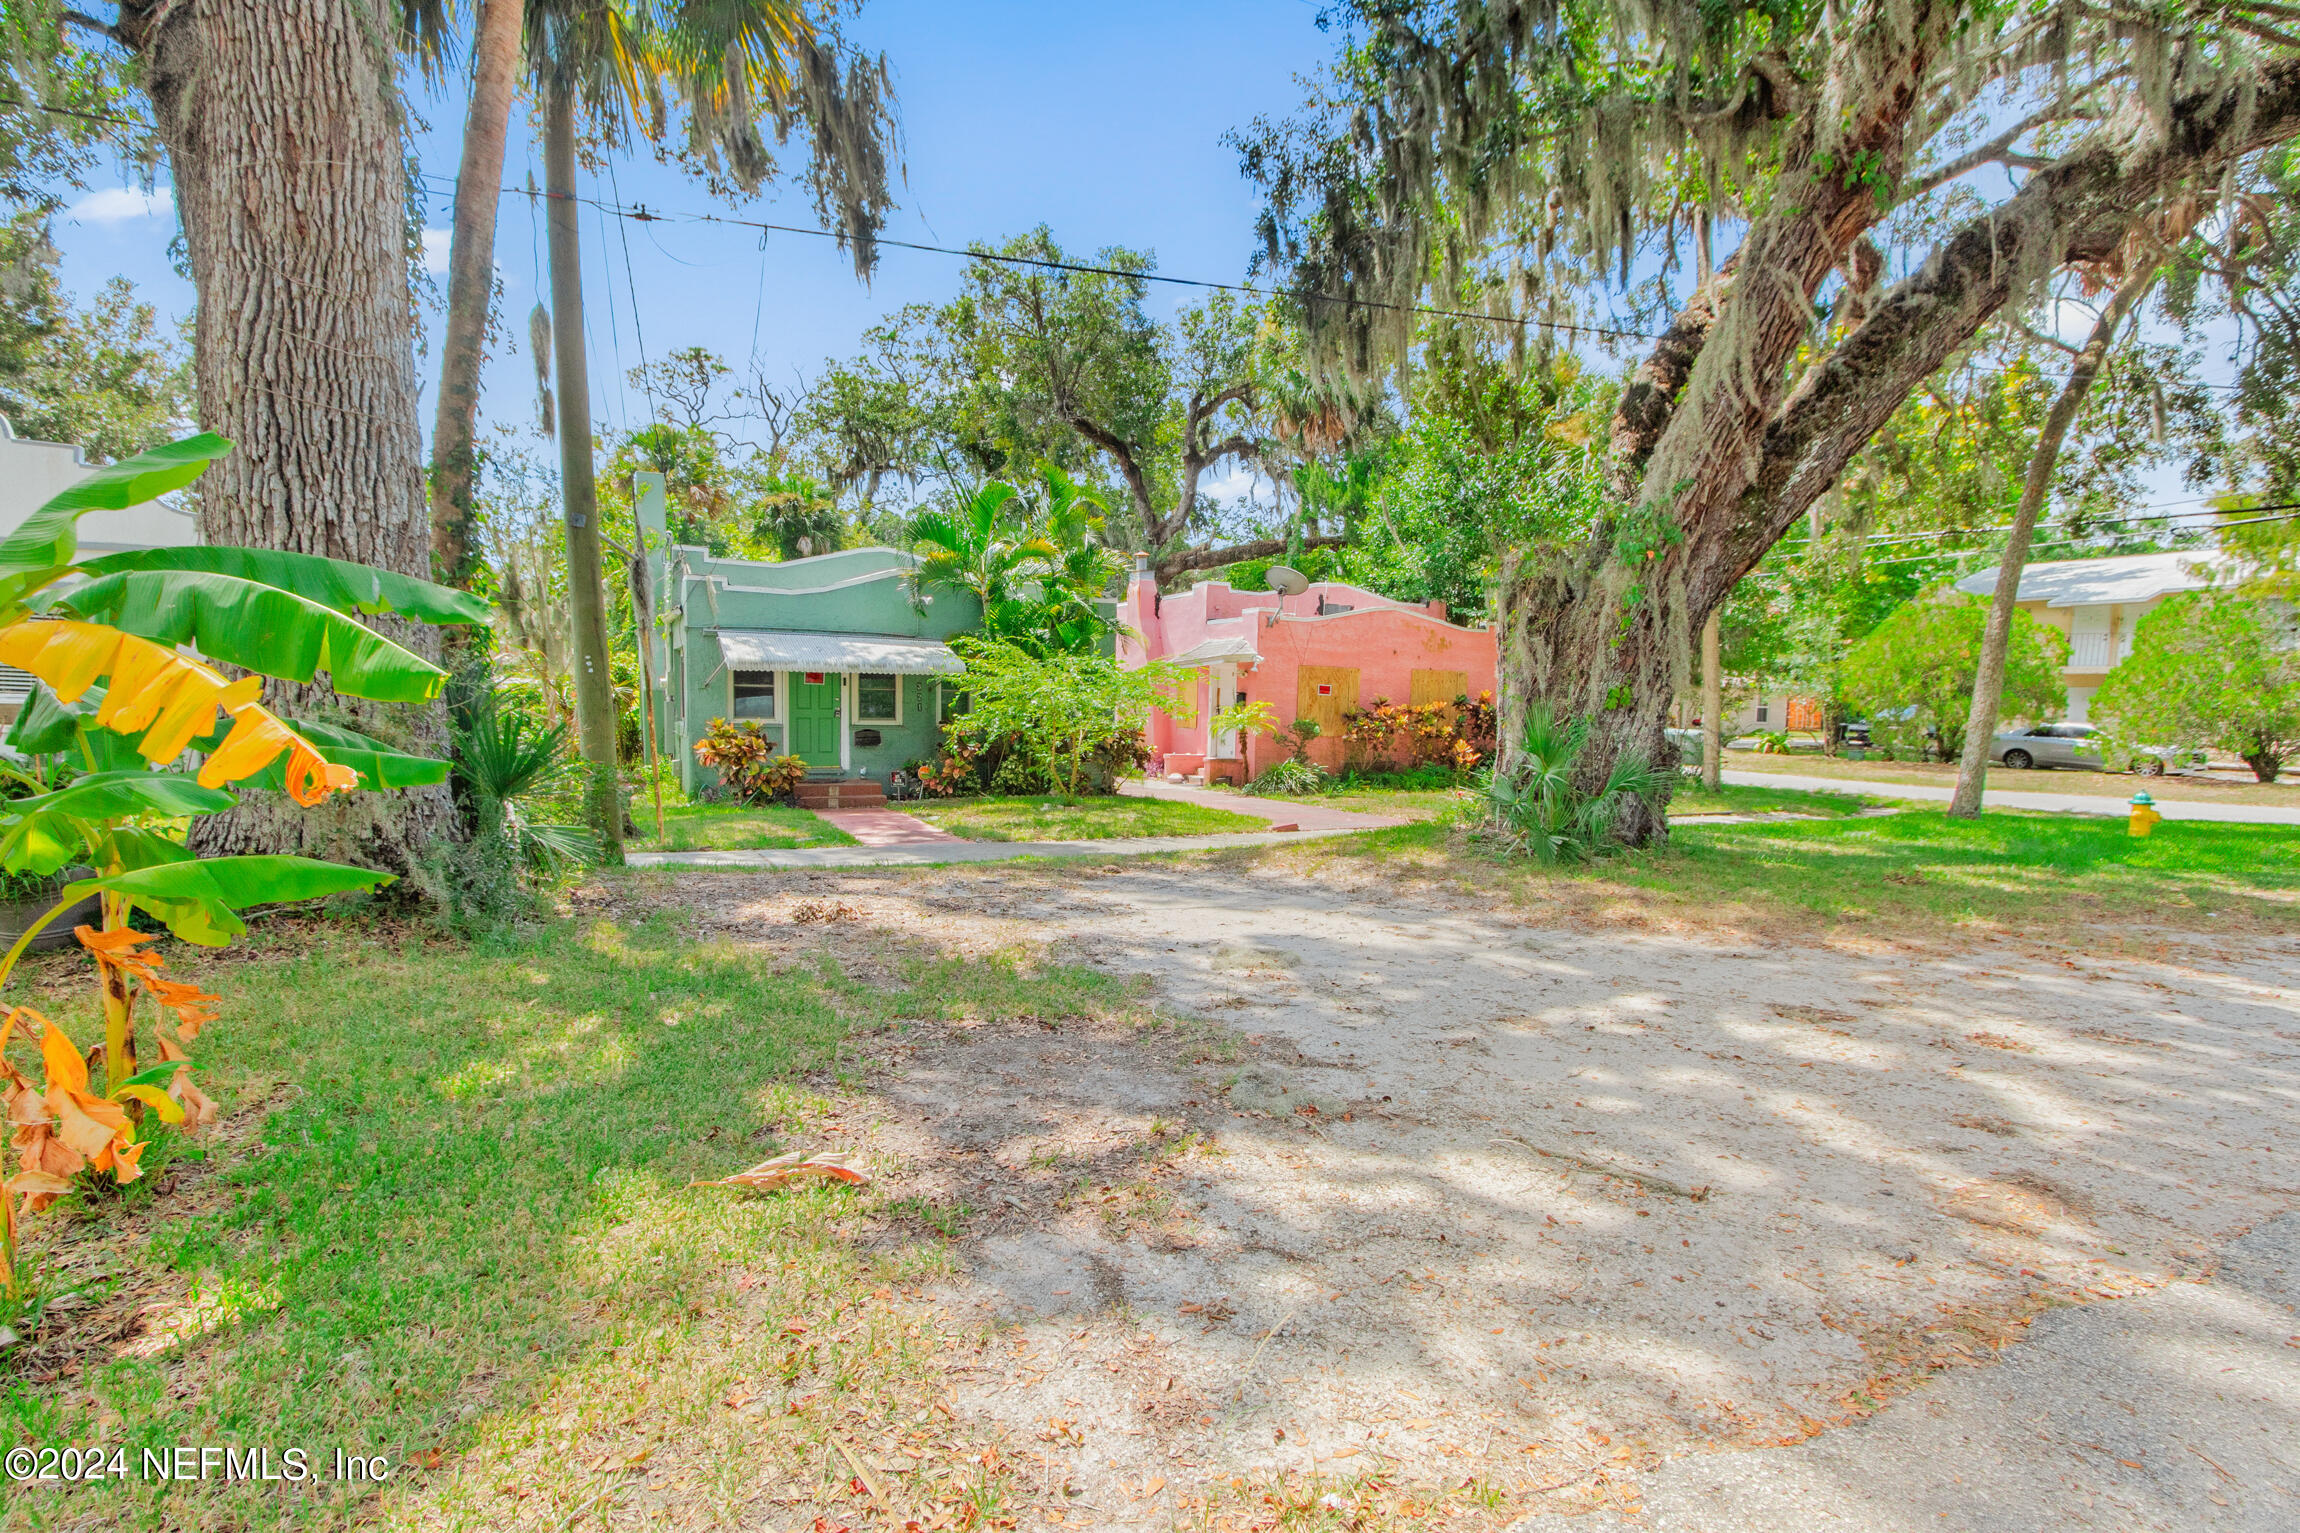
(1325, 689)
(814, 678)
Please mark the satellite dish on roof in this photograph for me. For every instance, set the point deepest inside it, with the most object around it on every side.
(1284, 581)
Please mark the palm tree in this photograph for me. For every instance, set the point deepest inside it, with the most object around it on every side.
(495, 60)
(728, 65)
(1034, 563)
(977, 547)
(844, 114)
(798, 515)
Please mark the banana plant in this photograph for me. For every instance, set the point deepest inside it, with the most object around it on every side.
(125, 648)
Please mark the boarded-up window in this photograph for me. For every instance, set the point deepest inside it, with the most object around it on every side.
(1804, 713)
(1439, 687)
(1322, 693)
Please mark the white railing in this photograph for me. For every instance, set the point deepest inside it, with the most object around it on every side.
(2090, 652)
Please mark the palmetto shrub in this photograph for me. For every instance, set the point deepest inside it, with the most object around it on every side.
(1535, 805)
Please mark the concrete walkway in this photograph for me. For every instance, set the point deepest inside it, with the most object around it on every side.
(885, 827)
(1995, 798)
(2176, 1410)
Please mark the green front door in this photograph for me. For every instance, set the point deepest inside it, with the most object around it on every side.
(815, 717)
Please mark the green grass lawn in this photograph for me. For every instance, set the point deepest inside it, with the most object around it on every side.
(447, 1220)
(1053, 818)
(1917, 870)
(2173, 788)
(733, 827)
(1730, 798)
(1431, 803)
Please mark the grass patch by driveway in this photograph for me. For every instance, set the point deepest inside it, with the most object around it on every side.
(733, 827)
(2004, 868)
(1917, 871)
(1053, 818)
(1732, 798)
(1434, 803)
(2175, 787)
(448, 1222)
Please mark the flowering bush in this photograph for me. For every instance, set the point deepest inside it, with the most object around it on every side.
(954, 776)
(1387, 736)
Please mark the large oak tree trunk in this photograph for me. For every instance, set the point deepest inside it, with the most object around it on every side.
(1725, 436)
(471, 288)
(282, 127)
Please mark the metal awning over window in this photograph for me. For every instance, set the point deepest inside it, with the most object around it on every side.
(777, 649)
(1217, 652)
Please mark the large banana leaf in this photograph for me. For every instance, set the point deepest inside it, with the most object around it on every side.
(200, 901)
(341, 587)
(48, 538)
(268, 630)
(378, 764)
(147, 849)
(50, 830)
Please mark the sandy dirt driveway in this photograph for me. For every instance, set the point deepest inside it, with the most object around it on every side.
(1420, 1200)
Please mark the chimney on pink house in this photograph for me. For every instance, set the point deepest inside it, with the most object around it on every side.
(1141, 610)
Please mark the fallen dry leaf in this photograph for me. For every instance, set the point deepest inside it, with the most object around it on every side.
(783, 1170)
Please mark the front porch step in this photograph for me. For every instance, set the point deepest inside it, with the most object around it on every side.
(856, 793)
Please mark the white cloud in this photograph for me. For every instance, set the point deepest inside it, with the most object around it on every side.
(123, 204)
(435, 245)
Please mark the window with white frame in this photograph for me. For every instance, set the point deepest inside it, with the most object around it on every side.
(755, 695)
(878, 699)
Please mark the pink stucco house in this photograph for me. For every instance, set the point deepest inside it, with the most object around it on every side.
(1308, 656)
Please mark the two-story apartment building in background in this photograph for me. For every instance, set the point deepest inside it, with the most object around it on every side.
(2098, 602)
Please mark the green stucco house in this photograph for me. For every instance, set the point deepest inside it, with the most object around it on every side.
(837, 657)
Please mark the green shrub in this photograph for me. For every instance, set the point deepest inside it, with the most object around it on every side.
(2211, 668)
(1298, 777)
(1536, 807)
(1914, 676)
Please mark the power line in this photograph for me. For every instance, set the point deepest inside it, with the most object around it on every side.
(1952, 553)
(641, 213)
(2144, 515)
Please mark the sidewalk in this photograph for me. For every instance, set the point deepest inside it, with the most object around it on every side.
(1994, 798)
(918, 854)
(1278, 811)
(893, 839)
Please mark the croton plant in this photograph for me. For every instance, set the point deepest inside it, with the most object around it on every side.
(135, 728)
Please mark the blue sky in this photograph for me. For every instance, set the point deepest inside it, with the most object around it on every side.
(1100, 120)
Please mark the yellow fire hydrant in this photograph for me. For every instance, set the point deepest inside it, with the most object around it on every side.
(2144, 813)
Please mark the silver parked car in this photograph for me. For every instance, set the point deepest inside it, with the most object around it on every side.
(2048, 745)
